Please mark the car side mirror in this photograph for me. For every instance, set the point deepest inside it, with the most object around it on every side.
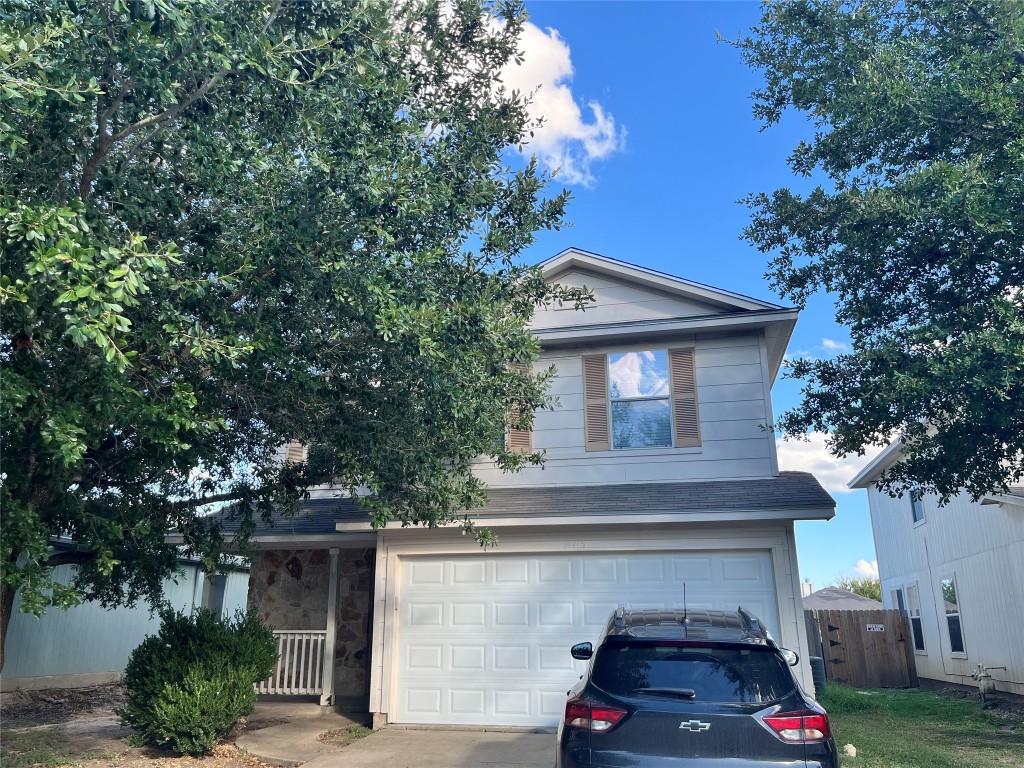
(582, 651)
(791, 657)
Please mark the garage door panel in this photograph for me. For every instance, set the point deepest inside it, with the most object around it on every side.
(485, 639)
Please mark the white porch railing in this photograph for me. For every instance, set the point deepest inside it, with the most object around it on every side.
(300, 663)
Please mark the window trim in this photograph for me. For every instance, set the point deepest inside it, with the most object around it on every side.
(959, 615)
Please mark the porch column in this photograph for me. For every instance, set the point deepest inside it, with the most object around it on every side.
(327, 697)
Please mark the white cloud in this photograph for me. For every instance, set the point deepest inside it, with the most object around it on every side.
(866, 569)
(813, 456)
(831, 345)
(568, 139)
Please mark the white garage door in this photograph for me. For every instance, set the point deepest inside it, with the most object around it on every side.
(485, 639)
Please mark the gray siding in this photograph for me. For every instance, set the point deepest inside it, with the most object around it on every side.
(983, 548)
(731, 387)
(615, 302)
(88, 643)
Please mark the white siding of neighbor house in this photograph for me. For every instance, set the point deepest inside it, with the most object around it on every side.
(733, 403)
(89, 644)
(982, 546)
(615, 302)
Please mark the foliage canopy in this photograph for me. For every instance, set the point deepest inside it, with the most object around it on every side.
(917, 227)
(228, 225)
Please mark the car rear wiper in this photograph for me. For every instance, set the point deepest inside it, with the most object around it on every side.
(683, 693)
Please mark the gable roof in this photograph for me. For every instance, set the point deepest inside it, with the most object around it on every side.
(836, 599)
(798, 493)
(574, 258)
(727, 311)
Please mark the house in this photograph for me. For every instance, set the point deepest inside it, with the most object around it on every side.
(89, 645)
(836, 599)
(957, 572)
(659, 477)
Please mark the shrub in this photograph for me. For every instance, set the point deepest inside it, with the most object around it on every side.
(192, 681)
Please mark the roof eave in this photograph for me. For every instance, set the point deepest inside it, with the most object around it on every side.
(871, 471)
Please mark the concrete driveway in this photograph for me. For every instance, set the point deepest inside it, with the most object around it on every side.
(435, 748)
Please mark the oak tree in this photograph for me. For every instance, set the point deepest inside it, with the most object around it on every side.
(227, 225)
(916, 226)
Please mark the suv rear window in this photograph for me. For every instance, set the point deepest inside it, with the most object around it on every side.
(714, 674)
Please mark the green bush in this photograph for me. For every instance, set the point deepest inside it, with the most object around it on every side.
(192, 681)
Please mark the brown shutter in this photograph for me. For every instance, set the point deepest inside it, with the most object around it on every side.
(596, 420)
(519, 440)
(295, 452)
(685, 418)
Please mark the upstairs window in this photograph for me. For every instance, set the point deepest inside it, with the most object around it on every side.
(641, 399)
(951, 605)
(916, 504)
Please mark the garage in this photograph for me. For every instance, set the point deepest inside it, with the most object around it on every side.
(484, 639)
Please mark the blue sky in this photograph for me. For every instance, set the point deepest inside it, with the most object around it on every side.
(650, 119)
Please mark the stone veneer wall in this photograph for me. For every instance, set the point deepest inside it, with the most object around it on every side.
(289, 588)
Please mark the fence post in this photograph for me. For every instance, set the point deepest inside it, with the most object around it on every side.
(327, 697)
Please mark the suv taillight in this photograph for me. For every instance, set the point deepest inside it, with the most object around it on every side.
(595, 718)
(805, 726)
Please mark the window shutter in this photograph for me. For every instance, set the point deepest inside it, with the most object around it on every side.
(519, 440)
(596, 420)
(685, 418)
(295, 452)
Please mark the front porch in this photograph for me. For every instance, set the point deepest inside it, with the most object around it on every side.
(318, 603)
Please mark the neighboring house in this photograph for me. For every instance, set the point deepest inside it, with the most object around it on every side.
(958, 572)
(659, 476)
(89, 644)
(836, 599)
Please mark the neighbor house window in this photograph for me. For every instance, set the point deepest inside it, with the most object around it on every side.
(641, 399)
(914, 611)
(916, 504)
(951, 606)
(897, 601)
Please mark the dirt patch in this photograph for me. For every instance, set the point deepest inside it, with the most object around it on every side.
(342, 737)
(1006, 709)
(78, 726)
(24, 709)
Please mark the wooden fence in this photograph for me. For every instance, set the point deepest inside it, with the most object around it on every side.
(869, 649)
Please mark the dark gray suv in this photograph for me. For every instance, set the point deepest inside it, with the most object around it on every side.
(690, 690)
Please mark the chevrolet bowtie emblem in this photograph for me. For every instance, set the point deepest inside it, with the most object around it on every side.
(695, 726)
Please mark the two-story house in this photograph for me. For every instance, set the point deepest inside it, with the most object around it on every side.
(660, 477)
(957, 572)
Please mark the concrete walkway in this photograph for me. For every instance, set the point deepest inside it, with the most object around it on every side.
(287, 734)
(436, 748)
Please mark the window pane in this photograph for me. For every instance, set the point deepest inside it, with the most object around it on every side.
(638, 374)
(641, 424)
(949, 596)
(916, 505)
(913, 606)
(898, 603)
(714, 674)
(956, 637)
(918, 631)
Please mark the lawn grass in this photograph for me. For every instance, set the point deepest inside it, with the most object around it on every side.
(920, 729)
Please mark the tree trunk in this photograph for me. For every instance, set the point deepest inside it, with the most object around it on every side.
(6, 606)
